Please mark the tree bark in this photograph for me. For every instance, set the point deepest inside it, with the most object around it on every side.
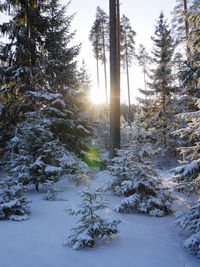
(128, 87)
(105, 72)
(114, 87)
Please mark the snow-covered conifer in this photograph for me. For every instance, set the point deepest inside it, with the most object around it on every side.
(137, 179)
(159, 109)
(13, 206)
(91, 226)
(35, 155)
(52, 190)
(189, 219)
(187, 176)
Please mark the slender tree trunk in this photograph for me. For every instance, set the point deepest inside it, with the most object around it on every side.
(118, 44)
(128, 87)
(105, 73)
(32, 33)
(188, 52)
(114, 88)
(97, 73)
(145, 80)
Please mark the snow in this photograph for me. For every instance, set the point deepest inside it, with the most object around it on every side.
(144, 241)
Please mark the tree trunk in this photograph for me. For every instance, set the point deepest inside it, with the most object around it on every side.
(128, 87)
(97, 73)
(105, 73)
(37, 186)
(186, 31)
(32, 34)
(118, 44)
(114, 87)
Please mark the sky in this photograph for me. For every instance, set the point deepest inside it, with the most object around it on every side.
(142, 14)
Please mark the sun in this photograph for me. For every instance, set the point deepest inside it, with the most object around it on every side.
(97, 96)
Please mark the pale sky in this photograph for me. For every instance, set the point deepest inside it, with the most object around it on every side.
(142, 14)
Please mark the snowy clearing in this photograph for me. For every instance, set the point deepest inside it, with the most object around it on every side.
(143, 241)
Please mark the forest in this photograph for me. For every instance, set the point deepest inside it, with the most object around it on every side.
(120, 177)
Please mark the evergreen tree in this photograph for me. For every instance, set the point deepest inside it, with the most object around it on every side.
(136, 177)
(34, 155)
(127, 51)
(13, 206)
(190, 219)
(45, 88)
(99, 36)
(187, 176)
(179, 19)
(91, 226)
(159, 112)
(20, 72)
(144, 60)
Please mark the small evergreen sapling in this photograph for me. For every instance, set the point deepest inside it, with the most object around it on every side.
(13, 206)
(137, 179)
(52, 190)
(91, 226)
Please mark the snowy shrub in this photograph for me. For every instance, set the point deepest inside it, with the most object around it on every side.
(91, 226)
(52, 190)
(190, 219)
(13, 206)
(137, 179)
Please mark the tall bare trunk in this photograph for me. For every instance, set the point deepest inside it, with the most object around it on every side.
(114, 88)
(128, 87)
(97, 73)
(118, 44)
(105, 72)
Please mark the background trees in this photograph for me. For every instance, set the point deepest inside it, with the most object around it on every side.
(127, 52)
(99, 36)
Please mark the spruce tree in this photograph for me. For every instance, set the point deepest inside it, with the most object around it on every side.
(91, 225)
(136, 178)
(159, 112)
(13, 205)
(40, 89)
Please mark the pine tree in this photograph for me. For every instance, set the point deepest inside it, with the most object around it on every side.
(127, 51)
(144, 60)
(114, 79)
(99, 36)
(91, 226)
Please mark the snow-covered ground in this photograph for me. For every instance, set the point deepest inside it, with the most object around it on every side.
(143, 241)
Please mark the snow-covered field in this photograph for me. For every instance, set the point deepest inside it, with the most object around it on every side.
(143, 241)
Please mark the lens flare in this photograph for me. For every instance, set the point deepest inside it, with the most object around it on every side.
(92, 156)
